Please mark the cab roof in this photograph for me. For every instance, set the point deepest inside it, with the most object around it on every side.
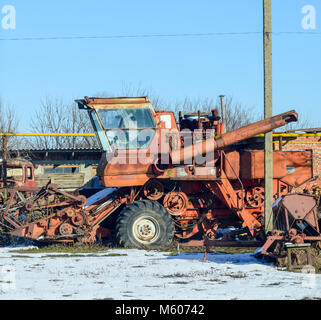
(113, 103)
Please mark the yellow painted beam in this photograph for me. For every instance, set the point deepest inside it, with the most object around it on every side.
(298, 142)
(10, 134)
(48, 134)
(295, 135)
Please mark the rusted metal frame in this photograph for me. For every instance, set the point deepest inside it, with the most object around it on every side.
(71, 236)
(299, 266)
(132, 194)
(47, 207)
(228, 194)
(271, 239)
(312, 238)
(105, 214)
(54, 205)
(238, 178)
(103, 211)
(6, 226)
(54, 188)
(195, 228)
(95, 210)
(98, 204)
(40, 194)
(18, 231)
(43, 195)
(317, 229)
(4, 166)
(5, 214)
(276, 217)
(286, 213)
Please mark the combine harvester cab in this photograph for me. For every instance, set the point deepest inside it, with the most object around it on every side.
(19, 175)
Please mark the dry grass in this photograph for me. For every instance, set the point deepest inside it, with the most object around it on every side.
(64, 248)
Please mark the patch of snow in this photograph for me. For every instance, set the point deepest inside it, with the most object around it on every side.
(138, 274)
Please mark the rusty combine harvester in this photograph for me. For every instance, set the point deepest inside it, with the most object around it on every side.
(165, 179)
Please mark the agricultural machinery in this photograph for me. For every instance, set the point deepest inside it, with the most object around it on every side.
(165, 178)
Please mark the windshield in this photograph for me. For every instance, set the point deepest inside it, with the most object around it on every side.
(126, 118)
(128, 128)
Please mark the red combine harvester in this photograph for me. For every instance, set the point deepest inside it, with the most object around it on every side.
(165, 179)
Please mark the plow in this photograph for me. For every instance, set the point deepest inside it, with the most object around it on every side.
(166, 179)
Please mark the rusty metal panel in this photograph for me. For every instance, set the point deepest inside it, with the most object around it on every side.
(302, 207)
(291, 167)
(299, 166)
(298, 211)
(232, 165)
(252, 164)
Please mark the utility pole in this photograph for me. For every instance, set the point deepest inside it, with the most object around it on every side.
(268, 143)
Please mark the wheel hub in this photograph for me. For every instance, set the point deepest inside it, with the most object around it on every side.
(146, 229)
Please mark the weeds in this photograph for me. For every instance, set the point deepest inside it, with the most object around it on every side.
(63, 248)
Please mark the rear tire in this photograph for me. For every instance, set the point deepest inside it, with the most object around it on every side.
(144, 224)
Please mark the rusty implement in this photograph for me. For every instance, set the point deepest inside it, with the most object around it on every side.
(50, 214)
(295, 241)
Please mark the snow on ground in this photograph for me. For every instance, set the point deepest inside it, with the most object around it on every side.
(138, 274)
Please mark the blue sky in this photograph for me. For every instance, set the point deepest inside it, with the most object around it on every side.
(172, 67)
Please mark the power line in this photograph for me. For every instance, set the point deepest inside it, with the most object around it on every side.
(174, 35)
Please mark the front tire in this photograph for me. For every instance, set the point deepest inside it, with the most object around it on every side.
(144, 224)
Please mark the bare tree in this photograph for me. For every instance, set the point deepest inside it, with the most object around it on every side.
(55, 116)
(9, 124)
(302, 123)
(237, 115)
(130, 90)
